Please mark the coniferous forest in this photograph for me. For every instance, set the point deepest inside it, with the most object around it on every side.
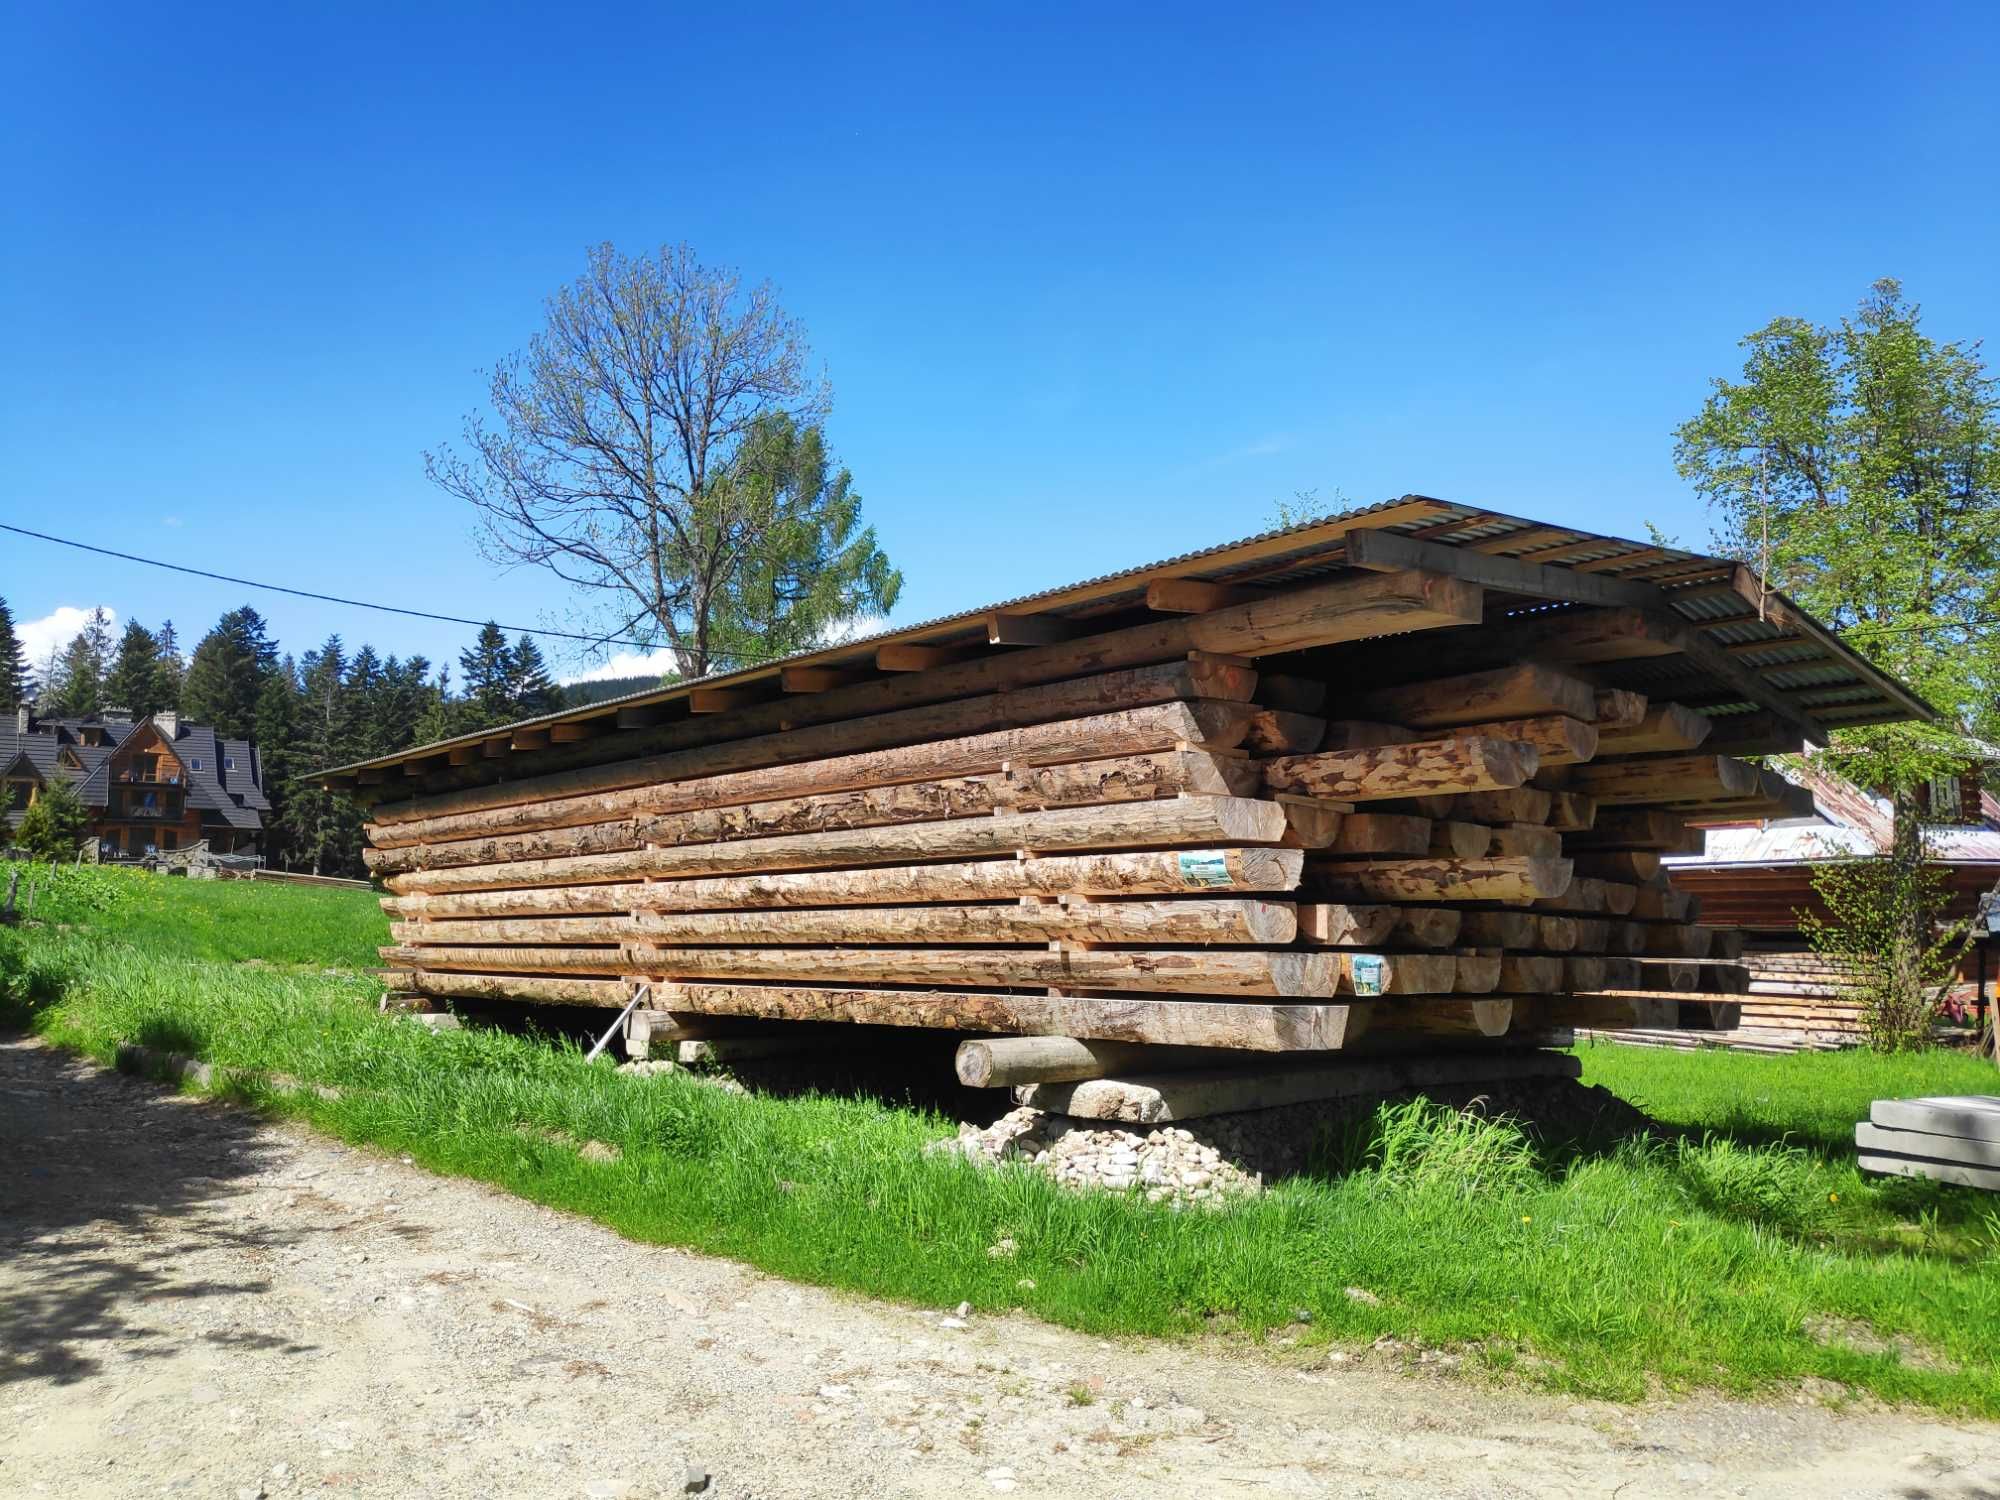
(326, 706)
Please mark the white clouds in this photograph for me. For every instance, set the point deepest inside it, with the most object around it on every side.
(55, 630)
(626, 664)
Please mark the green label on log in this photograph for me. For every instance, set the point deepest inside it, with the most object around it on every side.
(1205, 870)
(1371, 973)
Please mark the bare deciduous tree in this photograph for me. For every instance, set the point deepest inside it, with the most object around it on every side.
(628, 454)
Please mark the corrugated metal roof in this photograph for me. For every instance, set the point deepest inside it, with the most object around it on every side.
(1696, 586)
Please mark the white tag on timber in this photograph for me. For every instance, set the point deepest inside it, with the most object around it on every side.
(1205, 870)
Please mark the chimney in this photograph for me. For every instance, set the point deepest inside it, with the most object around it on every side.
(24, 719)
(169, 722)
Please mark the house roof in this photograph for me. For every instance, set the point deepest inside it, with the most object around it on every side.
(1768, 656)
(1855, 822)
(44, 747)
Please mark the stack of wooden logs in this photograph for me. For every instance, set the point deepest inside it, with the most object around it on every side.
(1155, 844)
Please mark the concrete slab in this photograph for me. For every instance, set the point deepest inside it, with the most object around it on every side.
(1917, 1143)
(1942, 1171)
(1976, 1116)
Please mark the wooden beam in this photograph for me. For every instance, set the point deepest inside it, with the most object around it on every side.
(1672, 778)
(640, 716)
(818, 679)
(573, 733)
(1383, 549)
(463, 755)
(1194, 596)
(529, 739)
(1558, 741)
(1029, 630)
(722, 700)
(1186, 822)
(1389, 771)
(1431, 880)
(1666, 727)
(1015, 1061)
(1528, 690)
(1259, 1027)
(910, 657)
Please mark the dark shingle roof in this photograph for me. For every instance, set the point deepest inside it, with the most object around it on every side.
(234, 797)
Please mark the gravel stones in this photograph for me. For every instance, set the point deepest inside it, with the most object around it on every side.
(1169, 1164)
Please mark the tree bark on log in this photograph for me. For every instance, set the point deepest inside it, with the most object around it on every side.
(1182, 820)
(1157, 1022)
(1430, 880)
(1158, 872)
(1446, 766)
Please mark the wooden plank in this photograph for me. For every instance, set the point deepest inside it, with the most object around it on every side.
(1477, 973)
(539, 990)
(1193, 596)
(1525, 691)
(1665, 728)
(1571, 812)
(528, 739)
(1096, 782)
(674, 783)
(1558, 741)
(1127, 874)
(818, 679)
(1526, 840)
(1157, 1022)
(1345, 926)
(1382, 834)
(1428, 926)
(1177, 921)
(1672, 778)
(722, 700)
(1619, 709)
(1384, 549)
(1430, 880)
(1636, 865)
(1390, 771)
(1303, 695)
(1014, 1061)
(1197, 971)
(1524, 804)
(1632, 828)
(1443, 1019)
(1345, 609)
(1182, 821)
(570, 734)
(910, 657)
(1531, 974)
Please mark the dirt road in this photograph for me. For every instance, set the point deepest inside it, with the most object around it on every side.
(195, 1303)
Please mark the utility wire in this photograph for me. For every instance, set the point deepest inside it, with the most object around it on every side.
(387, 609)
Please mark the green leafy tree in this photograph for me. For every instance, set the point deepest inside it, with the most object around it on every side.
(488, 668)
(17, 683)
(55, 823)
(227, 672)
(77, 685)
(1857, 467)
(134, 680)
(623, 455)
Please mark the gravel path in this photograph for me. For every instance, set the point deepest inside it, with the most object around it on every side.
(196, 1303)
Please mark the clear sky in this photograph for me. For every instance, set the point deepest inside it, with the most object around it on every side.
(1093, 284)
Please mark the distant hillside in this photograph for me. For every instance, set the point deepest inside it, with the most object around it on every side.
(578, 694)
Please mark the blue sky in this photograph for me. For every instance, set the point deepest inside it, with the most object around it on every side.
(1091, 288)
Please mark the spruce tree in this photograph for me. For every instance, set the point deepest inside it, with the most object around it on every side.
(168, 667)
(17, 683)
(532, 692)
(488, 665)
(78, 688)
(133, 683)
(227, 674)
(323, 829)
(276, 738)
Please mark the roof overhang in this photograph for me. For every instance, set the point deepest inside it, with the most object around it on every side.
(1751, 650)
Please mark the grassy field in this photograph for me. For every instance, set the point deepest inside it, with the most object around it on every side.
(1745, 1253)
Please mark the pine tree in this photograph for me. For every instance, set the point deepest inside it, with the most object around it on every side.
(17, 683)
(78, 687)
(532, 691)
(168, 668)
(133, 683)
(489, 679)
(227, 674)
(277, 748)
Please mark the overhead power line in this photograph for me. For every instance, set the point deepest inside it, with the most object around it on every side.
(387, 609)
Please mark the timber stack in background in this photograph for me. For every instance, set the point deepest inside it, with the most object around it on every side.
(1384, 795)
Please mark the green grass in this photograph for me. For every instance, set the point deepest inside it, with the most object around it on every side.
(1641, 1265)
